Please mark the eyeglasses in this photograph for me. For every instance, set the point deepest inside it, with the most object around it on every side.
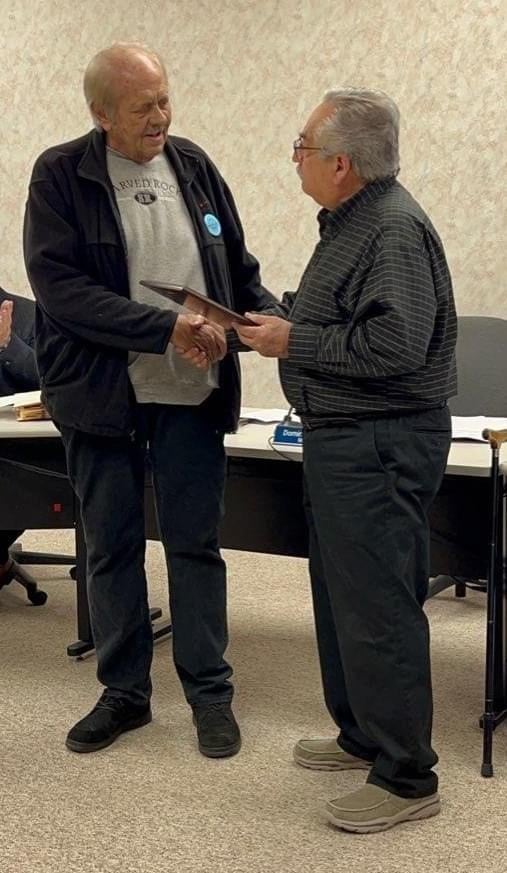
(298, 147)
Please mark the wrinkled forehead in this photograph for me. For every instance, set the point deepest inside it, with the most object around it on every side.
(136, 74)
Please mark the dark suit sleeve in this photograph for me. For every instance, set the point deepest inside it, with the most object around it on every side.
(18, 371)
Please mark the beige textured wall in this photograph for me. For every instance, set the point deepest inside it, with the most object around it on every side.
(245, 73)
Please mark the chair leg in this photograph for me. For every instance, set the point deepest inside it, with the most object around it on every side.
(488, 725)
(35, 558)
(438, 584)
(460, 588)
(16, 574)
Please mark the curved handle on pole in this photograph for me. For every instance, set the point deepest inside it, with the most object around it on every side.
(495, 437)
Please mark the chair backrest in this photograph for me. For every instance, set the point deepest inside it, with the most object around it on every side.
(482, 373)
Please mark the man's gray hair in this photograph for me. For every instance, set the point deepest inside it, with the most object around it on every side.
(365, 127)
(101, 73)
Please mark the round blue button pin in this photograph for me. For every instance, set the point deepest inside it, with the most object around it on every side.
(213, 224)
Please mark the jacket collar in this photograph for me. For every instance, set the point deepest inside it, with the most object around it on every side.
(93, 164)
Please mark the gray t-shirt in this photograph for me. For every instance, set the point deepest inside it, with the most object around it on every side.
(161, 245)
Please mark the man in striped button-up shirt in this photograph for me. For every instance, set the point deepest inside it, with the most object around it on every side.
(366, 349)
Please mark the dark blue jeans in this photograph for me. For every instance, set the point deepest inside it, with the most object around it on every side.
(187, 460)
(369, 485)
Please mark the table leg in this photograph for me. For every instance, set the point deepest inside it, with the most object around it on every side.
(85, 642)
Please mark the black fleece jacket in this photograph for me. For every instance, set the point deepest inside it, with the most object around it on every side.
(76, 260)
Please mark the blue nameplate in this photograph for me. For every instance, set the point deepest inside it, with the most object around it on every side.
(289, 434)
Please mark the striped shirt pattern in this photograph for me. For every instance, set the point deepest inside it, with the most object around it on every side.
(374, 322)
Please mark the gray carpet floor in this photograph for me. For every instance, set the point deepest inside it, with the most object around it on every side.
(152, 802)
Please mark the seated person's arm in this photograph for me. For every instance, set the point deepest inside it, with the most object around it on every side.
(18, 371)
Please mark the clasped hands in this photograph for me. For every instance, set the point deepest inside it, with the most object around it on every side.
(202, 343)
(198, 341)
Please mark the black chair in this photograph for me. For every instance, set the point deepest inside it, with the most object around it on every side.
(481, 391)
(16, 573)
(21, 556)
(481, 368)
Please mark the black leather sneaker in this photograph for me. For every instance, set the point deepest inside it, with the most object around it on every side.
(217, 730)
(111, 717)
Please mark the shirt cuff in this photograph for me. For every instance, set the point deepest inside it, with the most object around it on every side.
(303, 339)
(234, 343)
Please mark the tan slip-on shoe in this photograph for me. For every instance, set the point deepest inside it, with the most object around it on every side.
(372, 809)
(326, 754)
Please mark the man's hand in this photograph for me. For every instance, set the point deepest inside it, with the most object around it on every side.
(270, 338)
(199, 342)
(5, 323)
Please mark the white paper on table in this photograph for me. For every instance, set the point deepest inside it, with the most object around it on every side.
(7, 400)
(26, 398)
(265, 416)
(470, 427)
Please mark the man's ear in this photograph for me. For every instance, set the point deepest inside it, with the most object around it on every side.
(343, 165)
(102, 116)
(342, 169)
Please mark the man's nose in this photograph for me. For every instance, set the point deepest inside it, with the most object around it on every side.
(157, 115)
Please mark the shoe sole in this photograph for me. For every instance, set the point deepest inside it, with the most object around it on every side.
(383, 824)
(332, 765)
(221, 752)
(76, 746)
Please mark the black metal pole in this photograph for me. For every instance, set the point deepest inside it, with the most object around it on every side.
(489, 707)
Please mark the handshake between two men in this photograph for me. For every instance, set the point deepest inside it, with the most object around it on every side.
(203, 343)
(198, 341)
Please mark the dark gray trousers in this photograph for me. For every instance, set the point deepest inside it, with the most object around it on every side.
(187, 459)
(368, 487)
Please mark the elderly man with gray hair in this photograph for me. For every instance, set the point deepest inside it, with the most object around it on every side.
(123, 203)
(366, 349)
